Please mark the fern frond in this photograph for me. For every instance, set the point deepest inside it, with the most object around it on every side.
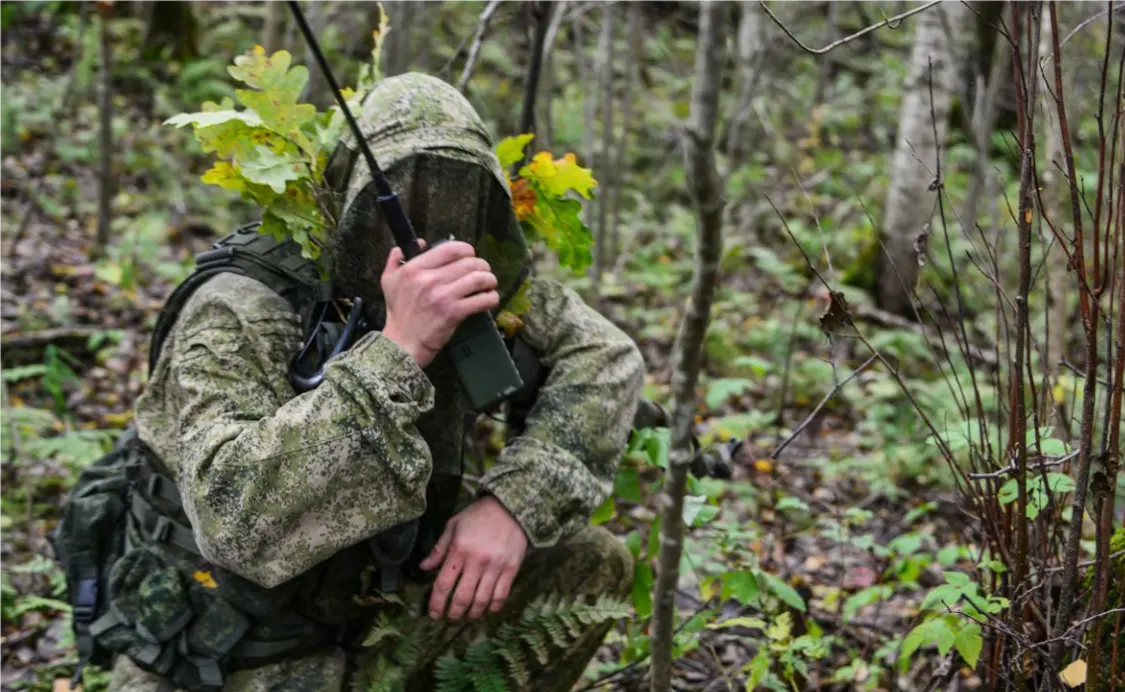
(451, 674)
(513, 660)
(549, 622)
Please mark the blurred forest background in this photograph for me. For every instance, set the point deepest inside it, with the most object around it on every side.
(916, 332)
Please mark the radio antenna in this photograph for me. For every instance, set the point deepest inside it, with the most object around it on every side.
(389, 203)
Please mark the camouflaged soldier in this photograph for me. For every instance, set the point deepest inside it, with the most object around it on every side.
(264, 562)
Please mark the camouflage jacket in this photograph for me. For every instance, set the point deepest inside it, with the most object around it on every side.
(275, 483)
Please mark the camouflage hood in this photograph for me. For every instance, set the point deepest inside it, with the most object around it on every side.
(437, 156)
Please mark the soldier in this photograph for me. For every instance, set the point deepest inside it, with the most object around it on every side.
(260, 550)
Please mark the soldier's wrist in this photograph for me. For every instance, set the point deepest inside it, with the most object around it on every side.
(421, 355)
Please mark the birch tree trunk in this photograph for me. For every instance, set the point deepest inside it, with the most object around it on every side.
(275, 26)
(546, 117)
(105, 130)
(910, 201)
(605, 88)
(706, 191)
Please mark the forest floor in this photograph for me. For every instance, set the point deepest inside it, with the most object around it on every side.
(849, 527)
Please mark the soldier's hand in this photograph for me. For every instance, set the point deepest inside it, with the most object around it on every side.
(484, 546)
(429, 296)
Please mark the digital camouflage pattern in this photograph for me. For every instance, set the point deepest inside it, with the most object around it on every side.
(275, 484)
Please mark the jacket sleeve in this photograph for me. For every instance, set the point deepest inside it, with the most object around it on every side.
(273, 482)
(554, 475)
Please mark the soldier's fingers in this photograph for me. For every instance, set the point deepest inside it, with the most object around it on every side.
(466, 587)
(471, 284)
(442, 586)
(503, 588)
(443, 254)
(478, 302)
(394, 258)
(440, 548)
(484, 593)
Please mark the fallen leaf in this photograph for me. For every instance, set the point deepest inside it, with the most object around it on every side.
(815, 562)
(1074, 674)
(859, 578)
(763, 465)
(205, 578)
(119, 419)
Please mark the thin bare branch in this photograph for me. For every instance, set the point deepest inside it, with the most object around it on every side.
(805, 423)
(892, 23)
(1011, 468)
(478, 41)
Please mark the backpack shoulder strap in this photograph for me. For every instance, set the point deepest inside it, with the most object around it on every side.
(278, 265)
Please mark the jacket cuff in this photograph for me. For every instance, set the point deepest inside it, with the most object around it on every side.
(405, 379)
(540, 507)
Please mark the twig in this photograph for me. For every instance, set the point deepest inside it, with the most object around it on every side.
(805, 423)
(478, 40)
(1085, 563)
(1084, 24)
(836, 44)
(1010, 468)
(1084, 621)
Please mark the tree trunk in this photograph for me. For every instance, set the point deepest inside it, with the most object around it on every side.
(316, 89)
(706, 190)
(910, 199)
(984, 121)
(605, 88)
(396, 49)
(105, 131)
(827, 71)
(633, 37)
(589, 102)
(419, 54)
(546, 117)
(1053, 188)
(749, 73)
(541, 14)
(275, 26)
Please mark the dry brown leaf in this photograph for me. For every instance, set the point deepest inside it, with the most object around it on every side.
(1074, 674)
(815, 562)
(63, 685)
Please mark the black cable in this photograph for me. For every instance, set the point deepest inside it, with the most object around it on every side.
(388, 201)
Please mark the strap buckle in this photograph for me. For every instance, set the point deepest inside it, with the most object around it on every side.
(162, 529)
(153, 486)
(86, 600)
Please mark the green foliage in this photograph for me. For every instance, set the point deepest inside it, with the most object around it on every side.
(548, 622)
(542, 203)
(274, 151)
